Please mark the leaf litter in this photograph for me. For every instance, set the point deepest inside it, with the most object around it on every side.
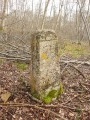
(16, 104)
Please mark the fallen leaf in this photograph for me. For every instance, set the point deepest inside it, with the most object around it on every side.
(5, 96)
(71, 114)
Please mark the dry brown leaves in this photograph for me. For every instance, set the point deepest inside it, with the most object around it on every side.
(74, 104)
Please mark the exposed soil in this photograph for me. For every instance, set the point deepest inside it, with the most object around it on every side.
(74, 104)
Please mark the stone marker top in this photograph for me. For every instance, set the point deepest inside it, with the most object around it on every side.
(43, 35)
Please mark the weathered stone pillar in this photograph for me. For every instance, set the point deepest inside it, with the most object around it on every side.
(45, 80)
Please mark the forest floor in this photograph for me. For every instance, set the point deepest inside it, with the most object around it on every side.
(73, 104)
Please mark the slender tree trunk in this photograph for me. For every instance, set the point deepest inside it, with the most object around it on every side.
(45, 11)
(3, 14)
(39, 13)
(32, 15)
(58, 18)
(85, 23)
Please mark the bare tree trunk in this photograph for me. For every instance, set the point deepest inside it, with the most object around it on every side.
(32, 15)
(39, 13)
(3, 14)
(58, 18)
(77, 27)
(87, 20)
(85, 23)
(45, 11)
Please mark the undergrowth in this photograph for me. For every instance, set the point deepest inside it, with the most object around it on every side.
(21, 66)
(1, 61)
(74, 49)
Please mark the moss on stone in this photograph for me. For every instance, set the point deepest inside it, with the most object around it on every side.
(50, 96)
(53, 94)
(47, 100)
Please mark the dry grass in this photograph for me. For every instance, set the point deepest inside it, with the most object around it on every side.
(74, 49)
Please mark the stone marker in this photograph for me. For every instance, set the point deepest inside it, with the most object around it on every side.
(45, 68)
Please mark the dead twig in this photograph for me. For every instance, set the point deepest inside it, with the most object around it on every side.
(84, 87)
(86, 84)
(64, 69)
(33, 98)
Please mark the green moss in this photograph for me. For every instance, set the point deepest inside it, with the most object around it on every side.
(53, 94)
(22, 66)
(47, 100)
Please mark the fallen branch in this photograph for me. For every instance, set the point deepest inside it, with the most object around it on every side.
(13, 46)
(35, 106)
(33, 98)
(68, 64)
(18, 59)
(25, 105)
(75, 61)
(11, 56)
(64, 69)
(77, 70)
(39, 106)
